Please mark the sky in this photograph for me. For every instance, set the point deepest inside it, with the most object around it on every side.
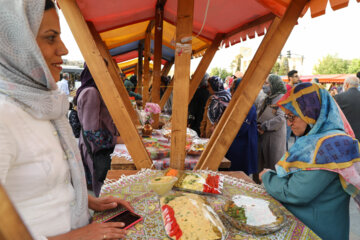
(336, 32)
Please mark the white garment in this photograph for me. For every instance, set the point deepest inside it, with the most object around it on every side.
(34, 171)
(63, 86)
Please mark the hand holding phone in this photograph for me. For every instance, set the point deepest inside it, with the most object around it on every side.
(127, 217)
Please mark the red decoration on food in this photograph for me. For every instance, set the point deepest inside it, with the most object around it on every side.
(212, 184)
(171, 226)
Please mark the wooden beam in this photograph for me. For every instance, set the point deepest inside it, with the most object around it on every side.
(140, 68)
(145, 93)
(147, 55)
(250, 86)
(155, 91)
(115, 73)
(103, 79)
(11, 225)
(167, 93)
(166, 69)
(256, 22)
(184, 25)
(204, 64)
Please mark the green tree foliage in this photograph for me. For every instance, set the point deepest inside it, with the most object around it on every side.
(332, 64)
(284, 66)
(276, 68)
(354, 66)
(221, 72)
(236, 63)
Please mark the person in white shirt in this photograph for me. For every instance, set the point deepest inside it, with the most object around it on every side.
(40, 164)
(63, 84)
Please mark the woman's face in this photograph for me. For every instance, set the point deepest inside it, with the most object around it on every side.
(298, 126)
(50, 44)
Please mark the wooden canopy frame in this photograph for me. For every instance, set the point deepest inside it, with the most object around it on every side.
(116, 98)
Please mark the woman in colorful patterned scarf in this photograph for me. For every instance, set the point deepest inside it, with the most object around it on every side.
(215, 106)
(316, 177)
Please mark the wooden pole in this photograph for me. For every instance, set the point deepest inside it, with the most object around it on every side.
(115, 73)
(105, 83)
(140, 68)
(11, 225)
(250, 86)
(147, 55)
(204, 64)
(167, 93)
(155, 91)
(184, 25)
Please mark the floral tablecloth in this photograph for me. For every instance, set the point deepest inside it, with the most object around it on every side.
(134, 188)
(160, 154)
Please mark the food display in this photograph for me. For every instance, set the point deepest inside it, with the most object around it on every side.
(198, 146)
(156, 149)
(253, 215)
(162, 185)
(187, 216)
(203, 183)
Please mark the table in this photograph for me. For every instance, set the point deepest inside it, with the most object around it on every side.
(116, 174)
(132, 186)
(121, 163)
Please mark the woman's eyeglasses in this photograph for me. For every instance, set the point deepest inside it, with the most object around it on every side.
(289, 117)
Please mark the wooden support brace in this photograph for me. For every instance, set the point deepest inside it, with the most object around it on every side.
(167, 93)
(184, 25)
(155, 91)
(250, 86)
(11, 225)
(115, 73)
(140, 68)
(204, 64)
(104, 81)
(166, 69)
(147, 55)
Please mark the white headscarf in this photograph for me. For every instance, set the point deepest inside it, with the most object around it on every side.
(27, 81)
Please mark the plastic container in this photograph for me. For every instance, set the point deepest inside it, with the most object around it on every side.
(189, 216)
(254, 215)
(162, 185)
(201, 183)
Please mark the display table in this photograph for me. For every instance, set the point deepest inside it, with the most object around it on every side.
(133, 187)
(122, 163)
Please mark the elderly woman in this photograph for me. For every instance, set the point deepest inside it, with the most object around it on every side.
(316, 177)
(215, 106)
(271, 124)
(40, 164)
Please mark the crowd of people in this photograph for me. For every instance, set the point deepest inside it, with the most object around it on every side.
(45, 171)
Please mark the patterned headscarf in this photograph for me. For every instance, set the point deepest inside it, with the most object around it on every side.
(26, 80)
(327, 145)
(218, 101)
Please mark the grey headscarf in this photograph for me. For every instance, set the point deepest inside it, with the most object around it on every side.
(26, 80)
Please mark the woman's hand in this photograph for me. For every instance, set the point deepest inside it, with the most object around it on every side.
(95, 231)
(108, 202)
(262, 173)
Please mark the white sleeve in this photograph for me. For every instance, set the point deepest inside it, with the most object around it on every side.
(7, 151)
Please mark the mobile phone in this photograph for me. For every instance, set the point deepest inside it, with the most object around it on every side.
(127, 217)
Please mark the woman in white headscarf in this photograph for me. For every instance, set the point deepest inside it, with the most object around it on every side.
(40, 164)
